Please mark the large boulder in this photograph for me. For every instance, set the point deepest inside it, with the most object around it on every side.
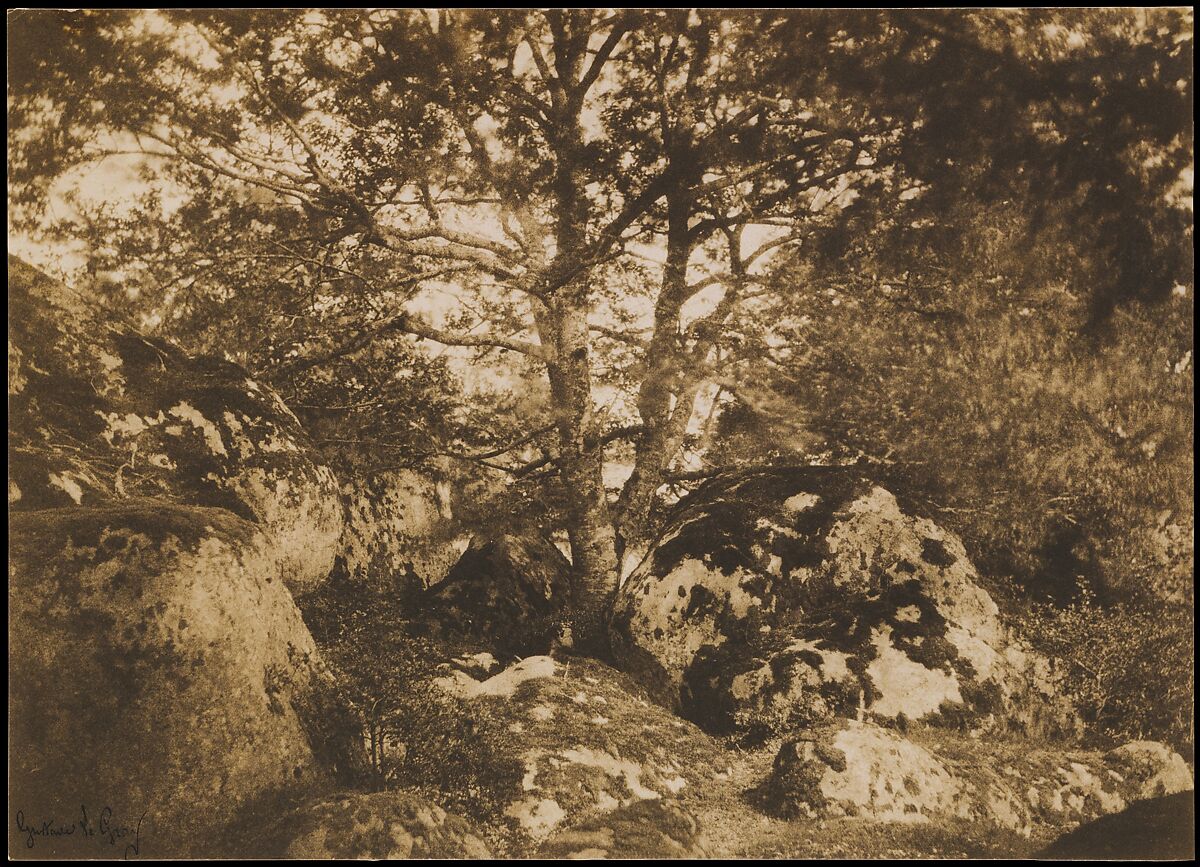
(782, 597)
(850, 768)
(160, 672)
(507, 592)
(377, 826)
(99, 413)
(396, 533)
(588, 743)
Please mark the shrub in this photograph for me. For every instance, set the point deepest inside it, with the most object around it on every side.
(416, 735)
(1129, 666)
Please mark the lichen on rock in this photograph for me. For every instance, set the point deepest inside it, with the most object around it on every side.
(590, 743)
(376, 826)
(660, 828)
(162, 669)
(397, 529)
(778, 597)
(850, 768)
(100, 413)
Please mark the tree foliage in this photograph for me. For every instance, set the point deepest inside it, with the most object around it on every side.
(982, 392)
(618, 212)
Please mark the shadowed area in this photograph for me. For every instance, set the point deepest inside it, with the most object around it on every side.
(1157, 829)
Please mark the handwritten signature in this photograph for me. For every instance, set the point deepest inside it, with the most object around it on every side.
(104, 831)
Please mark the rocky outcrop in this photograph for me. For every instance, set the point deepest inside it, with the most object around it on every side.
(589, 744)
(163, 510)
(858, 769)
(507, 593)
(99, 413)
(376, 826)
(783, 597)
(160, 669)
(396, 530)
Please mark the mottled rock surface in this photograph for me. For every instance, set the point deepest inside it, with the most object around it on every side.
(374, 826)
(660, 828)
(99, 413)
(160, 668)
(396, 530)
(779, 598)
(506, 593)
(589, 743)
(858, 769)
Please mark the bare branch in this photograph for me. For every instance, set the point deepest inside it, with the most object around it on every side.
(418, 328)
(406, 323)
(482, 457)
(620, 27)
(553, 85)
(616, 334)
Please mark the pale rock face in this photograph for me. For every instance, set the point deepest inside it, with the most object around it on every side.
(907, 687)
(628, 772)
(396, 523)
(376, 826)
(779, 597)
(503, 685)
(851, 768)
(101, 414)
(537, 817)
(157, 637)
(301, 515)
(887, 777)
(1153, 766)
(671, 635)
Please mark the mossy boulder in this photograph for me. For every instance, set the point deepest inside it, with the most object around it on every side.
(659, 828)
(777, 598)
(506, 592)
(859, 769)
(375, 826)
(100, 413)
(160, 669)
(587, 742)
(850, 768)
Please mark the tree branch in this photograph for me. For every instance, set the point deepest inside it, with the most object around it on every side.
(620, 28)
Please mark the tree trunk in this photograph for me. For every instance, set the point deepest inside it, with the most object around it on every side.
(581, 472)
(662, 384)
(672, 373)
(654, 452)
(593, 552)
(581, 459)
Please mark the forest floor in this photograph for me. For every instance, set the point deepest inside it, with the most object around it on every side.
(579, 706)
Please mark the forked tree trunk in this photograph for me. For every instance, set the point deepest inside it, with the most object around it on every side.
(653, 453)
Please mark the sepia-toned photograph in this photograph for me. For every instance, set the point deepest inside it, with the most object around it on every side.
(601, 434)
